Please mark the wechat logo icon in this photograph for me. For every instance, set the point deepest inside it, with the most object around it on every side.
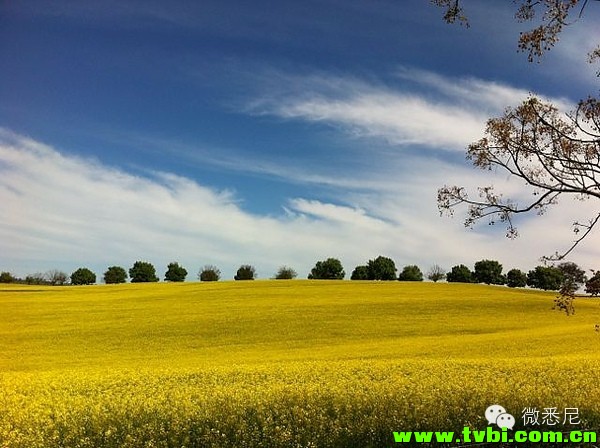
(497, 415)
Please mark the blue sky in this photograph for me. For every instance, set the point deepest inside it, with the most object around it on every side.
(268, 133)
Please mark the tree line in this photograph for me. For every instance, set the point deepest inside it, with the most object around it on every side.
(566, 277)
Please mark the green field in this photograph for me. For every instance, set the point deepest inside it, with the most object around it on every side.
(283, 363)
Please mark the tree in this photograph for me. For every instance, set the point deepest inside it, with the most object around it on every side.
(36, 279)
(245, 272)
(142, 272)
(83, 276)
(515, 278)
(360, 273)
(209, 273)
(573, 276)
(555, 155)
(436, 273)
(6, 277)
(592, 286)
(330, 269)
(175, 273)
(548, 278)
(459, 274)
(411, 273)
(489, 272)
(285, 273)
(56, 277)
(114, 275)
(381, 268)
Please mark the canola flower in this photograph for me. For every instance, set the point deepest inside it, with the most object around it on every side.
(271, 383)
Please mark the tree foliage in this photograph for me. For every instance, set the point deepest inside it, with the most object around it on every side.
(551, 16)
(411, 273)
(548, 278)
(592, 286)
(114, 275)
(360, 272)
(245, 272)
(142, 272)
(573, 276)
(515, 278)
(285, 273)
(209, 273)
(83, 276)
(553, 154)
(459, 274)
(381, 268)
(6, 277)
(329, 269)
(489, 272)
(175, 273)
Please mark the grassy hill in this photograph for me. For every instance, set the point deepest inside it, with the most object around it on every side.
(283, 363)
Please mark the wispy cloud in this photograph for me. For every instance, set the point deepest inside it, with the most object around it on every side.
(424, 109)
(63, 211)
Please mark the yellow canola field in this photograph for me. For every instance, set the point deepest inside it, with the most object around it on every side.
(283, 363)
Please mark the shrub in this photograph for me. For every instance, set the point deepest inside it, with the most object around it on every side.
(285, 273)
(209, 273)
(381, 268)
(6, 277)
(83, 276)
(489, 272)
(330, 269)
(245, 272)
(515, 278)
(115, 274)
(411, 273)
(360, 273)
(142, 272)
(459, 274)
(436, 273)
(175, 273)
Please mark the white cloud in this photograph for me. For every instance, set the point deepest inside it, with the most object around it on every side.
(65, 212)
(428, 109)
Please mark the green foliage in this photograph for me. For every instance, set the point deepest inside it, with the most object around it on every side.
(411, 273)
(360, 273)
(175, 273)
(142, 272)
(209, 273)
(285, 273)
(489, 272)
(245, 272)
(573, 276)
(548, 278)
(515, 278)
(592, 286)
(459, 274)
(381, 268)
(436, 273)
(114, 275)
(330, 269)
(83, 276)
(6, 277)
